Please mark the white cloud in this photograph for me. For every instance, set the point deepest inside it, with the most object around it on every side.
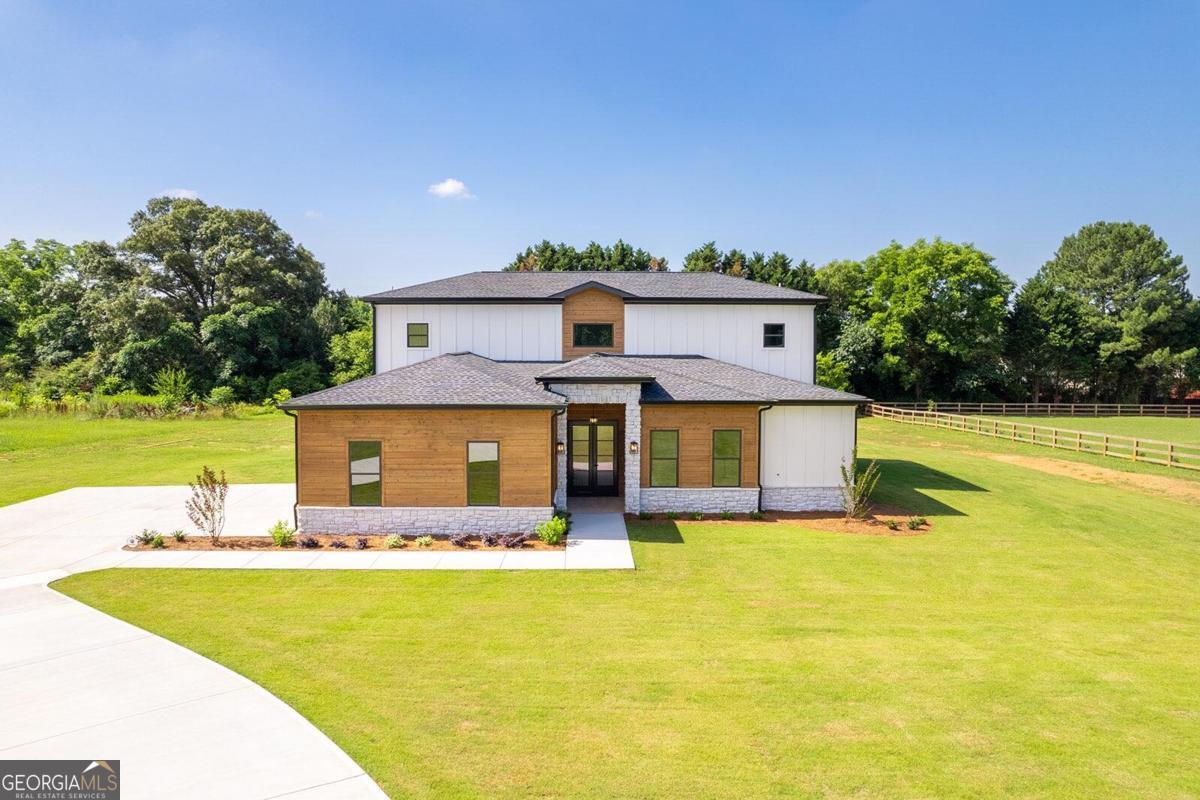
(451, 187)
(310, 214)
(180, 194)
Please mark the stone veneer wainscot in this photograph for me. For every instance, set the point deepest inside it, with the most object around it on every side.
(350, 520)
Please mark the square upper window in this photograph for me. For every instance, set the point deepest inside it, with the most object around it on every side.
(593, 334)
(772, 334)
(418, 334)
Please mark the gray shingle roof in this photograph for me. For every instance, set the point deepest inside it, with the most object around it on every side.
(696, 379)
(597, 367)
(455, 379)
(500, 287)
(465, 379)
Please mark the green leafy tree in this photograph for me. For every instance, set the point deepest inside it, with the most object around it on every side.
(705, 258)
(620, 257)
(939, 310)
(1135, 290)
(1052, 344)
(350, 355)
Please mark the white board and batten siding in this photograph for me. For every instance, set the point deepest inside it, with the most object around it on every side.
(732, 333)
(500, 331)
(806, 445)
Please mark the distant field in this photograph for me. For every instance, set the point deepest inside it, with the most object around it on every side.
(1166, 429)
(40, 455)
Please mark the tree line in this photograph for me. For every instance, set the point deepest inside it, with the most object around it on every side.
(1108, 318)
(228, 299)
(223, 298)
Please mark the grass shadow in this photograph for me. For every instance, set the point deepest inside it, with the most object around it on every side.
(656, 532)
(901, 483)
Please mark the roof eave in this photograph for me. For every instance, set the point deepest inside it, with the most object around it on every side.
(418, 406)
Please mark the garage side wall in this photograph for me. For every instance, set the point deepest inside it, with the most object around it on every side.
(803, 450)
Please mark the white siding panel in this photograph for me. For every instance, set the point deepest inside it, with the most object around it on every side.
(503, 331)
(806, 445)
(730, 333)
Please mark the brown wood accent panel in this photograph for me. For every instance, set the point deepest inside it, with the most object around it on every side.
(424, 454)
(695, 424)
(593, 305)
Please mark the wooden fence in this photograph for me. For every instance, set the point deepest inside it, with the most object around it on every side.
(1151, 451)
(1191, 411)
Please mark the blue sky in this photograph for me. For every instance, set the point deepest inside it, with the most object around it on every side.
(821, 129)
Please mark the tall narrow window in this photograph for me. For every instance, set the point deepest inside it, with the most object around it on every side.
(418, 334)
(593, 334)
(664, 458)
(366, 488)
(727, 458)
(772, 334)
(483, 473)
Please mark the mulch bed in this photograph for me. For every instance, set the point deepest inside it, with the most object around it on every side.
(874, 525)
(374, 542)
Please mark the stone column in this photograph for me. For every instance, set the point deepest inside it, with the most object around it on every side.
(633, 461)
(560, 487)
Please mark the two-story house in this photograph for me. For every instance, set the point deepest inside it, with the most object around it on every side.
(500, 395)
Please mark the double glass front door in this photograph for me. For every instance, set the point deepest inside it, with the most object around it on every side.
(592, 458)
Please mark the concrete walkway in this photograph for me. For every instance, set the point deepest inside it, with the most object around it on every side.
(75, 683)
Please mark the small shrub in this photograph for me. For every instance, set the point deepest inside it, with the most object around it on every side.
(206, 506)
(282, 534)
(460, 539)
(857, 486)
(892, 525)
(308, 542)
(552, 531)
(338, 543)
(281, 396)
(174, 386)
(921, 520)
(490, 539)
(914, 523)
(757, 516)
(179, 535)
(222, 396)
(696, 515)
(147, 535)
(393, 542)
(515, 540)
(157, 541)
(726, 515)
(360, 543)
(672, 515)
(424, 541)
(645, 515)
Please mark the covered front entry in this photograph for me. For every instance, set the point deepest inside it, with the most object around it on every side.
(592, 454)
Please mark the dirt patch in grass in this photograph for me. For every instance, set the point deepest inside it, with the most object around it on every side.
(373, 542)
(876, 523)
(1174, 488)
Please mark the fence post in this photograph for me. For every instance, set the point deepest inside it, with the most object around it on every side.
(1170, 454)
(1135, 449)
(1104, 450)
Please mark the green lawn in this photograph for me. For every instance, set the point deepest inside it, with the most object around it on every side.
(1042, 640)
(1166, 429)
(39, 455)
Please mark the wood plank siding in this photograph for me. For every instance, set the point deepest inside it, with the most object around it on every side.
(696, 424)
(424, 454)
(592, 305)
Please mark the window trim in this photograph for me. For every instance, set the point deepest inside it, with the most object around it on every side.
(408, 330)
(350, 473)
(467, 465)
(782, 335)
(612, 335)
(650, 478)
(741, 438)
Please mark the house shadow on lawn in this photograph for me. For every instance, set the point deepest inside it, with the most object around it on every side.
(656, 532)
(901, 483)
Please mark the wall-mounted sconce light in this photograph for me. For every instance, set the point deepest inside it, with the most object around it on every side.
(593, 420)
(560, 447)
(633, 448)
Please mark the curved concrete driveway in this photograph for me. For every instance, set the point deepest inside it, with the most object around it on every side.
(79, 684)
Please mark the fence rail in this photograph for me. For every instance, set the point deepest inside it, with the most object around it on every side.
(1151, 451)
(1191, 411)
